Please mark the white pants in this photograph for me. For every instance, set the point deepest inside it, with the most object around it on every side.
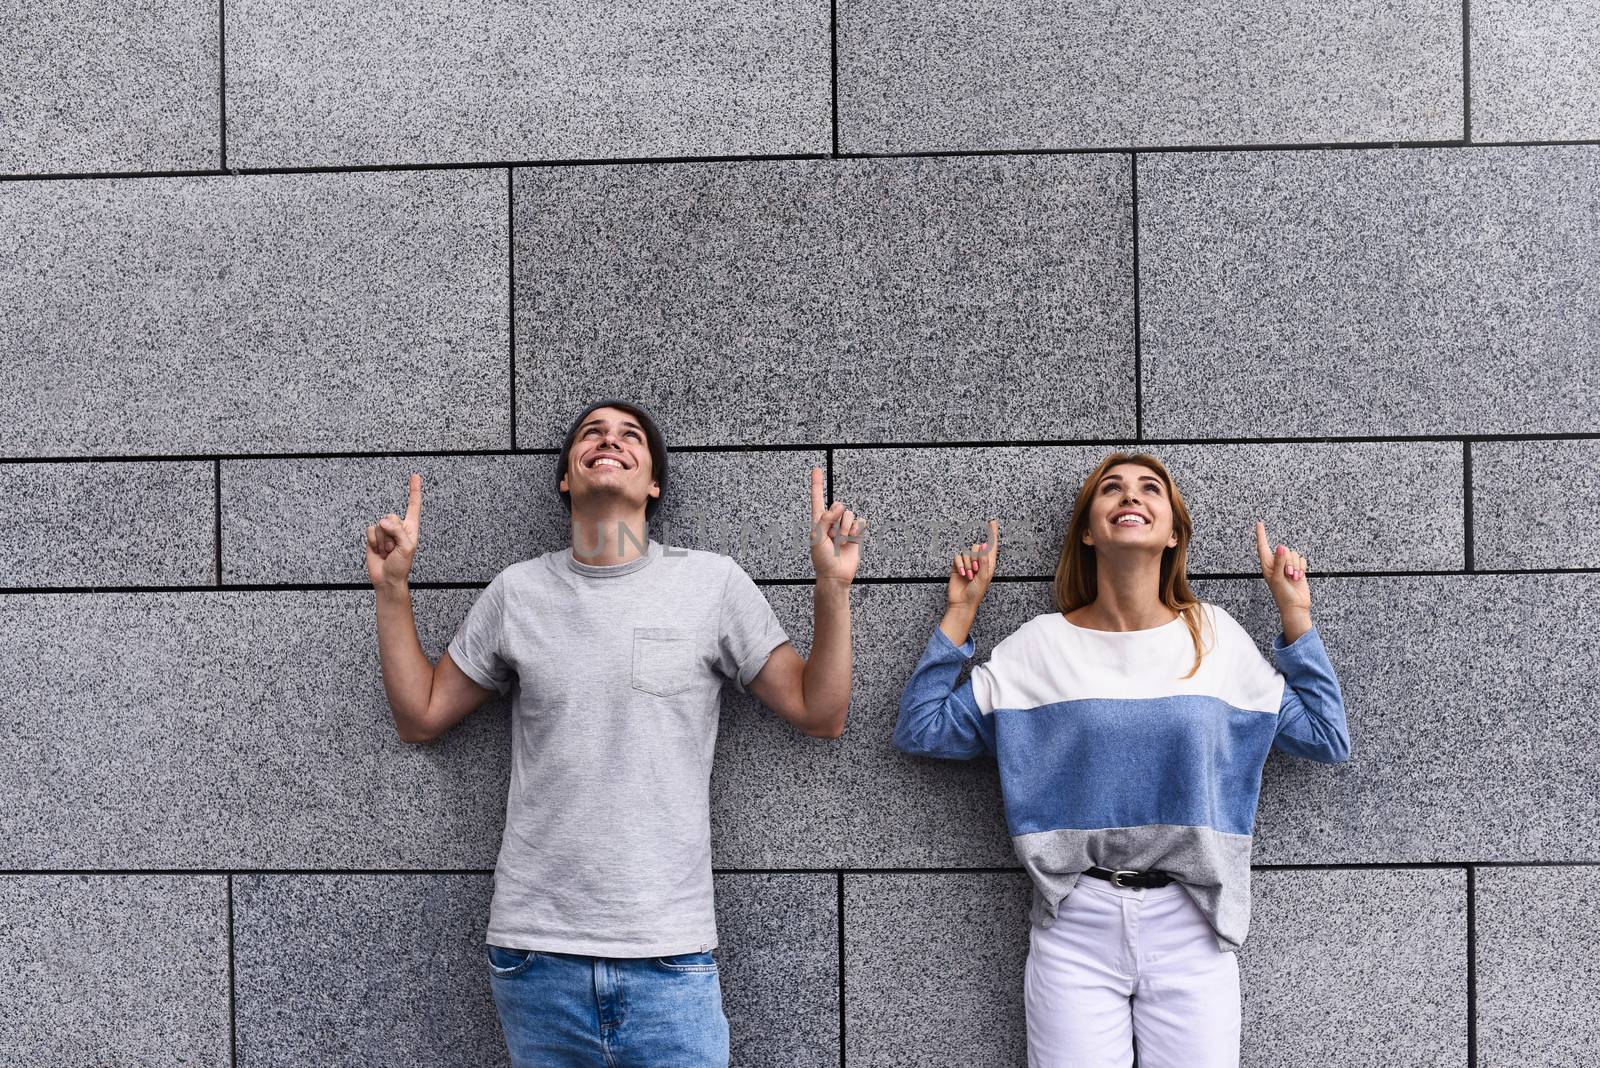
(1109, 944)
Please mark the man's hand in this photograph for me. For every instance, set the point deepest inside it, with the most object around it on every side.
(392, 542)
(835, 537)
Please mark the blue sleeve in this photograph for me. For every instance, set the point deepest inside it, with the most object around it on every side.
(1311, 719)
(936, 720)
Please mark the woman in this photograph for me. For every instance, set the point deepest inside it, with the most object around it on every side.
(1130, 728)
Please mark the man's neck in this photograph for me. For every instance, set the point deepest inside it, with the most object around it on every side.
(609, 538)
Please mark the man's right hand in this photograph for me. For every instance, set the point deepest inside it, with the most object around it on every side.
(392, 542)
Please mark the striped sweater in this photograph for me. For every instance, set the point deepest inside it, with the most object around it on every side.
(1109, 757)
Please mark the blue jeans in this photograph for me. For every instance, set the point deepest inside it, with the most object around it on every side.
(561, 1009)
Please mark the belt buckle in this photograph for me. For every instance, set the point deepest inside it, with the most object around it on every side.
(1116, 878)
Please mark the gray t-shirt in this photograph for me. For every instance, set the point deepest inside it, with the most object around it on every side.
(615, 674)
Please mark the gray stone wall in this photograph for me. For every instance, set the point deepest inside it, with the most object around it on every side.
(1337, 263)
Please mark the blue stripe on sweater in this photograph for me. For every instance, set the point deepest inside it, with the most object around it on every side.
(1189, 760)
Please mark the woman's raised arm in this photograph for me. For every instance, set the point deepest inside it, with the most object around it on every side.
(937, 718)
(1311, 719)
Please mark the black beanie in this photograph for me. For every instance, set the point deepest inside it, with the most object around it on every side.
(658, 450)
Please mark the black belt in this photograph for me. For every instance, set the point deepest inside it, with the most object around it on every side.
(1139, 879)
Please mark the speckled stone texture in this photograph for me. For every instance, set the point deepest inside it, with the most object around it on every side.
(837, 301)
(1534, 504)
(107, 524)
(1333, 502)
(294, 521)
(1471, 703)
(124, 87)
(362, 969)
(778, 955)
(399, 961)
(956, 75)
(113, 969)
(265, 313)
(1396, 292)
(1535, 70)
(1538, 956)
(232, 730)
(339, 83)
(1366, 969)
(933, 969)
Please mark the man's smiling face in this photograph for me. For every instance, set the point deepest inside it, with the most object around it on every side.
(610, 457)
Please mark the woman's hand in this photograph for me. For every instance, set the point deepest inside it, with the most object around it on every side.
(392, 542)
(970, 573)
(1285, 573)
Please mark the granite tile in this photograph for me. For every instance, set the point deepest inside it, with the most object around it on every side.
(778, 955)
(108, 524)
(1537, 947)
(336, 83)
(264, 313)
(233, 729)
(1011, 74)
(1396, 292)
(356, 969)
(933, 969)
(1535, 70)
(1357, 968)
(923, 505)
(94, 87)
(1470, 704)
(830, 301)
(1533, 504)
(305, 520)
(130, 967)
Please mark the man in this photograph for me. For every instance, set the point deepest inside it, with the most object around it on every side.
(601, 926)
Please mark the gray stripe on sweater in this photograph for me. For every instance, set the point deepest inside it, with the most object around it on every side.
(1213, 867)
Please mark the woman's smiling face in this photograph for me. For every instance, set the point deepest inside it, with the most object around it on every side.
(1131, 508)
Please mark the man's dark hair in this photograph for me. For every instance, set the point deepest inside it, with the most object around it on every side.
(658, 450)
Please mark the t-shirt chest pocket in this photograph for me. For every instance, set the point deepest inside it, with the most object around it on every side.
(663, 660)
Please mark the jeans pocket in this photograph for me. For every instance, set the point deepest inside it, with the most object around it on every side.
(688, 963)
(505, 962)
(663, 660)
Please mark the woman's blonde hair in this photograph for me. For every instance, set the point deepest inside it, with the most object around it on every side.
(1077, 582)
